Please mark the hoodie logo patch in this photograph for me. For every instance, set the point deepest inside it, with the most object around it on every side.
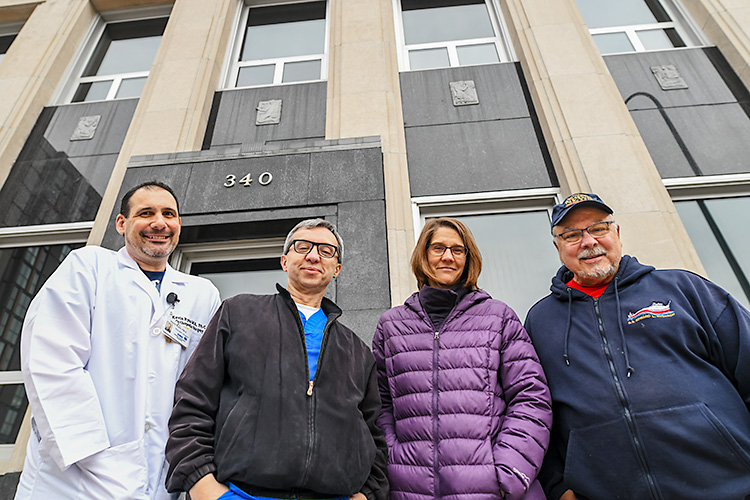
(655, 310)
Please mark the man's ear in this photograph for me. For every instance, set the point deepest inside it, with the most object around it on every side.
(120, 223)
(283, 262)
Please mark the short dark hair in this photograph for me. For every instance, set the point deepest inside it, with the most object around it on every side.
(419, 262)
(125, 203)
(312, 224)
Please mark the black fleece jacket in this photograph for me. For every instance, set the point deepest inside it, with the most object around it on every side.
(246, 410)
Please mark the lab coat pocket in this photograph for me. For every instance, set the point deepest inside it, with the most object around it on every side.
(119, 472)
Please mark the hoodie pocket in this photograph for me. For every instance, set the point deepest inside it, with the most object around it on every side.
(690, 449)
(601, 462)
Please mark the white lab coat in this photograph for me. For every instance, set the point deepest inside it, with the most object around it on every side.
(100, 376)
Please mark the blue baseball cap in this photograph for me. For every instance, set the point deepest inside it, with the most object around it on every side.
(574, 201)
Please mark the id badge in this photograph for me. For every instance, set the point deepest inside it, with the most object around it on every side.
(177, 332)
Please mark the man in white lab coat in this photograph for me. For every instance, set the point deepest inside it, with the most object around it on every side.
(102, 346)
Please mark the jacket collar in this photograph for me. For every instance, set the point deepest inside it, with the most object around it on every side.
(464, 303)
(330, 309)
(629, 272)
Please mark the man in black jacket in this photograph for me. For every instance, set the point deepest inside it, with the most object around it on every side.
(280, 399)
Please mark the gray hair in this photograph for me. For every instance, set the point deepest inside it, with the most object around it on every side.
(312, 224)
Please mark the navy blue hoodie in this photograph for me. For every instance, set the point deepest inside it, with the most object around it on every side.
(650, 387)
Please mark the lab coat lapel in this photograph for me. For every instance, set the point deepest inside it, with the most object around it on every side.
(158, 305)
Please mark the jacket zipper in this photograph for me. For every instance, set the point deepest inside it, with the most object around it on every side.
(625, 405)
(435, 392)
(310, 386)
(435, 440)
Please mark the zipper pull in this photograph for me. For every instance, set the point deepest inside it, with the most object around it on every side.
(437, 334)
(310, 388)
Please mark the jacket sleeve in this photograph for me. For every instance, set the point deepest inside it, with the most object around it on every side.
(386, 420)
(190, 447)
(376, 486)
(55, 349)
(524, 434)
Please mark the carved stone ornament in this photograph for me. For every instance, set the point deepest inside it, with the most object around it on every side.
(464, 93)
(86, 128)
(268, 112)
(668, 77)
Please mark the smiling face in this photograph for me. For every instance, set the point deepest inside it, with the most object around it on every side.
(309, 274)
(151, 228)
(593, 261)
(446, 268)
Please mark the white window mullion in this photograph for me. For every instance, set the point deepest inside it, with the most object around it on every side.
(634, 40)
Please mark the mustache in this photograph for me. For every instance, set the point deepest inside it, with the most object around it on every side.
(589, 253)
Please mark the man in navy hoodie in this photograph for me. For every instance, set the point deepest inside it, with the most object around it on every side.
(649, 372)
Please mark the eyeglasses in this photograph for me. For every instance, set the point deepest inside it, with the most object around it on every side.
(597, 230)
(437, 250)
(304, 247)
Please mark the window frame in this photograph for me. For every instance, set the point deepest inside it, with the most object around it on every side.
(681, 22)
(710, 187)
(10, 30)
(185, 255)
(488, 203)
(73, 78)
(233, 63)
(33, 236)
(502, 40)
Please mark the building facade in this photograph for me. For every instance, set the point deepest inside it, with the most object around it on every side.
(374, 114)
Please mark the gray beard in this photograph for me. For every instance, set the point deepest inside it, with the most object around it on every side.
(605, 273)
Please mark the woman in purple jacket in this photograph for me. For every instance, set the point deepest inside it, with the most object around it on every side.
(466, 408)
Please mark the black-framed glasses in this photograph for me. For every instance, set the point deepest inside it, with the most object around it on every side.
(325, 250)
(437, 250)
(597, 230)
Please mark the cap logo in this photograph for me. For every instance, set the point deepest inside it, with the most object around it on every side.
(577, 198)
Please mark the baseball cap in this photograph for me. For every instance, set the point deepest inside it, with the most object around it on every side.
(577, 200)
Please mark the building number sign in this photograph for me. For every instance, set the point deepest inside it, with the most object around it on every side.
(264, 179)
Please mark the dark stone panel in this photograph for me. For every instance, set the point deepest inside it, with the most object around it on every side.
(426, 95)
(363, 282)
(206, 190)
(351, 175)
(298, 213)
(475, 157)
(716, 136)
(363, 322)
(8, 484)
(55, 190)
(52, 132)
(632, 74)
(303, 114)
(342, 184)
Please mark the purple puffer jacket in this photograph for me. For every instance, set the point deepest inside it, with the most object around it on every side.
(466, 410)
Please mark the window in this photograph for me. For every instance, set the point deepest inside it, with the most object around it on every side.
(512, 230)
(28, 256)
(447, 33)
(280, 44)
(119, 64)
(247, 266)
(636, 25)
(5, 42)
(716, 212)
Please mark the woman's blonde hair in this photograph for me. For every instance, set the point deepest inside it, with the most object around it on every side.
(420, 265)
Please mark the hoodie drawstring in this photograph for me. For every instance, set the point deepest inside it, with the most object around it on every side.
(567, 330)
(622, 333)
